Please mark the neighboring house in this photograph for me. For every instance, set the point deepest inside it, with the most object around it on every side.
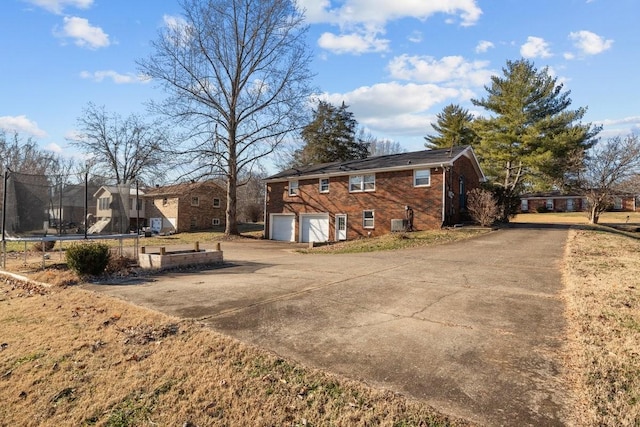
(555, 201)
(370, 197)
(116, 209)
(186, 207)
(66, 207)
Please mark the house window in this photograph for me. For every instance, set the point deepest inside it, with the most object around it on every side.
(195, 201)
(293, 188)
(215, 221)
(368, 219)
(103, 203)
(164, 201)
(324, 185)
(549, 204)
(422, 177)
(524, 205)
(216, 203)
(362, 183)
(194, 223)
(617, 203)
(132, 203)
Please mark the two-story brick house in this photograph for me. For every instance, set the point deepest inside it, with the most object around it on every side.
(186, 207)
(369, 197)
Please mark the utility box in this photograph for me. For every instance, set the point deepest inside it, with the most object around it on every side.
(399, 225)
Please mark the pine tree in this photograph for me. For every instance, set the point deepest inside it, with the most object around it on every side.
(330, 137)
(532, 134)
(454, 127)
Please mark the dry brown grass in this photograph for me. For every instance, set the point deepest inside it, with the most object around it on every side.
(71, 357)
(602, 277)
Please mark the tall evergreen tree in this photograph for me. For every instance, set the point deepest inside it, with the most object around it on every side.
(532, 135)
(454, 127)
(330, 137)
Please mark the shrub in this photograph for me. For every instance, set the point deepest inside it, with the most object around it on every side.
(542, 209)
(88, 258)
(483, 207)
(43, 246)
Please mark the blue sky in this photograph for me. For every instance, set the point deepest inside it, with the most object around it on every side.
(396, 63)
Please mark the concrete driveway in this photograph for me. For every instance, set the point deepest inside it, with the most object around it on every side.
(473, 328)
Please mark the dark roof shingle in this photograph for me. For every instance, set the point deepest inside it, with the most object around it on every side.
(424, 157)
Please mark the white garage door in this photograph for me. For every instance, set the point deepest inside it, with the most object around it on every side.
(283, 227)
(314, 227)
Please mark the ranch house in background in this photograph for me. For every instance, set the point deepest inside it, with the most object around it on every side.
(371, 197)
(186, 207)
(555, 201)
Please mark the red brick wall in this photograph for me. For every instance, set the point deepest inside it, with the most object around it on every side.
(393, 191)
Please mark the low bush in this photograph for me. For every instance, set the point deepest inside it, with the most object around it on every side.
(43, 246)
(542, 209)
(89, 258)
(483, 207)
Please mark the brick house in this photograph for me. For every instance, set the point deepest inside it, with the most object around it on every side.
(186, 207)
(370, 197)
(556, 201)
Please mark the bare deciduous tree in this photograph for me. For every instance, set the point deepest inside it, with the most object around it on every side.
(483, 206)
(608, 168)
(25, 156)
(237, 74)
(127, 149)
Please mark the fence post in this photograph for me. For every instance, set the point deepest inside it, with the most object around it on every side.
(4, 217)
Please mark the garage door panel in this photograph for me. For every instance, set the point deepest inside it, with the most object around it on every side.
(283, 228)
(314, 228)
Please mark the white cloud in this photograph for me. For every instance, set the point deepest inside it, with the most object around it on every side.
(484, 46)
(362, 21)
(382, 11)
(352, 43)
(118, 78)
(449, 69)
(21, 124)
(392, 107)
(84, 33)
(535, 47)
(590, 43)
(57, 6)
(415, 37)
(54, 148)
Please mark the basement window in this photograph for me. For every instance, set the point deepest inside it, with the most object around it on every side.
(368, 219)
(215, 221)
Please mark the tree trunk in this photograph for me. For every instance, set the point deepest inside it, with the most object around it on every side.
(231, 228)
(594, 216)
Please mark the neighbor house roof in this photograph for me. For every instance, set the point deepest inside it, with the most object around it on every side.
(114, 189)
(432, 158)
(179, 189)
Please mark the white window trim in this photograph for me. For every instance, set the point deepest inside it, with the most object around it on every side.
(216, 205)
(414, 177)
(292, 188)
(197, 201)
(320, 185)
(215, 221)
(362, 183)
(373, 219)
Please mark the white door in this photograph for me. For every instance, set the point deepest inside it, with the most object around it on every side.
(283, 227)
(341, 227)
(314, 227)
(156, 224)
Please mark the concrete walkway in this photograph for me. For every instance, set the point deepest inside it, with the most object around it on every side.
(473, 328)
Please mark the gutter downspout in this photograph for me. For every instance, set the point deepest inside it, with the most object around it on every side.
(266, 232)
